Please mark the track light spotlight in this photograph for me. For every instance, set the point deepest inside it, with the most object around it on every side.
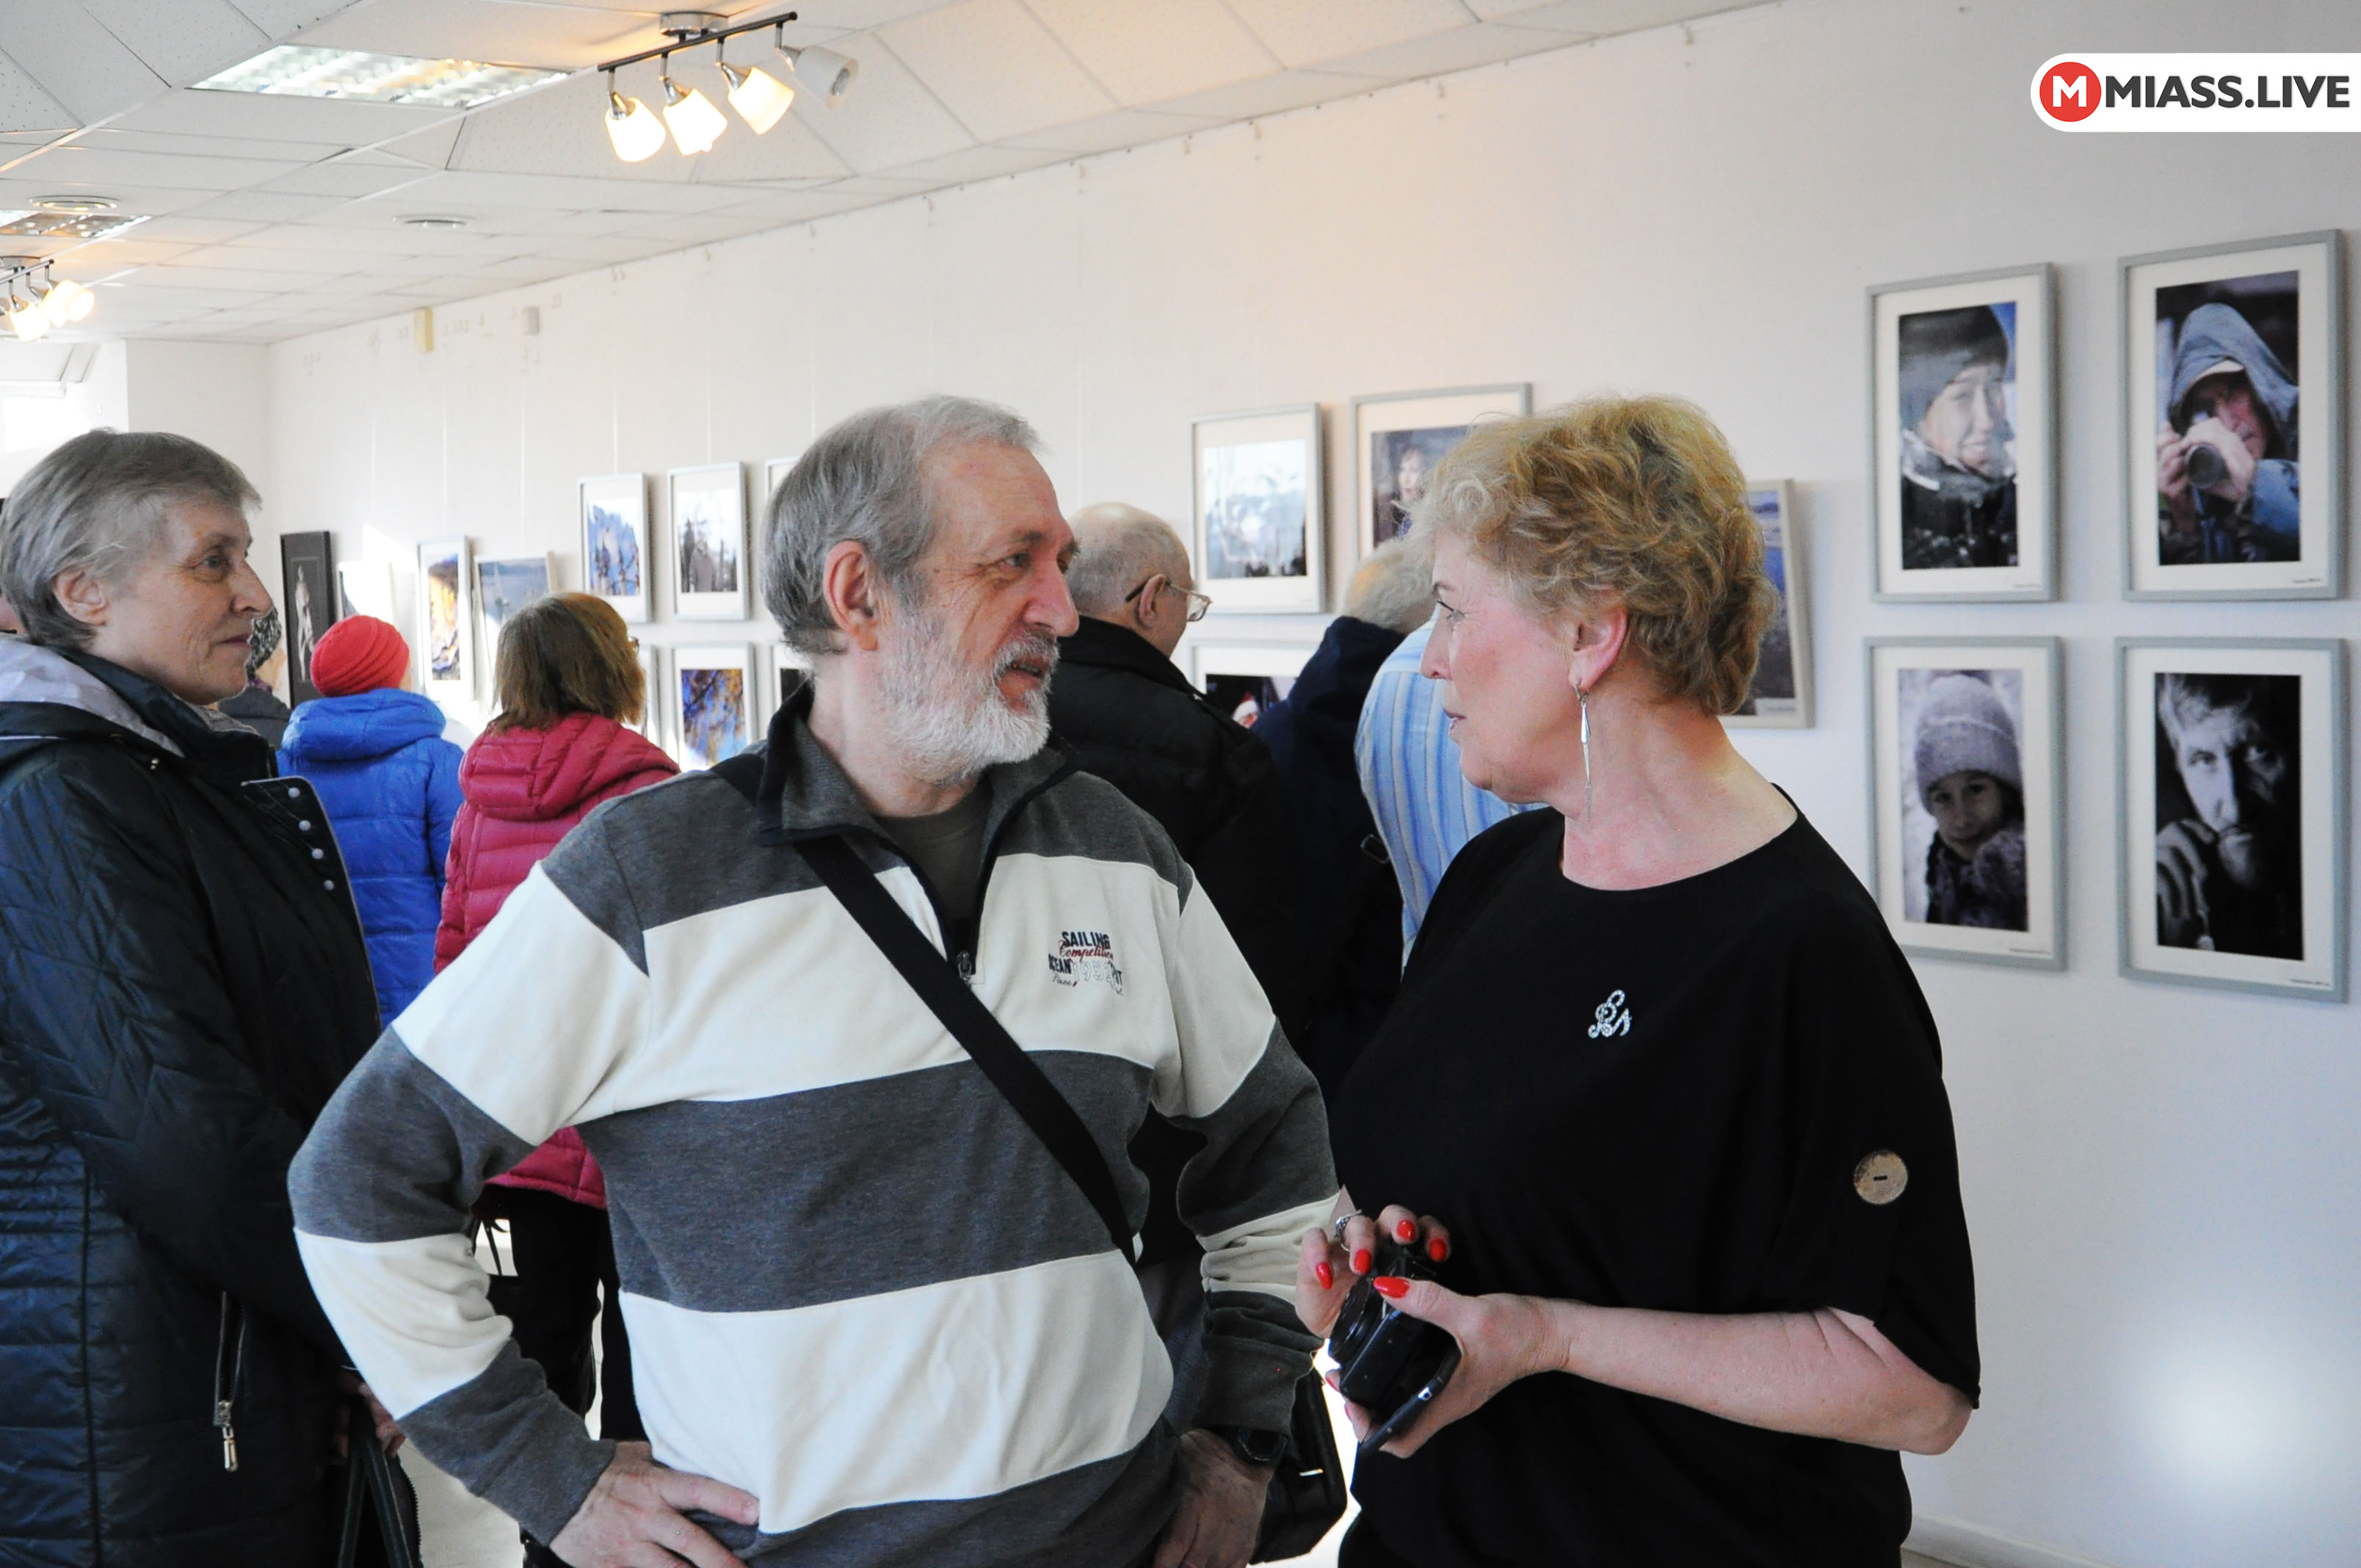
(696, 123)
(632, 126)
(759, 97)
(823, 71)
(24, 319)
(67, 302)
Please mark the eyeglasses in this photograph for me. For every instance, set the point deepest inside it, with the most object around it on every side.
(1198, 603)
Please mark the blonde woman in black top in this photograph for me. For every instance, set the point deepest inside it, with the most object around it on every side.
(1660, 1093)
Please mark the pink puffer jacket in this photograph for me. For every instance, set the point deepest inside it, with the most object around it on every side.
(522, 789)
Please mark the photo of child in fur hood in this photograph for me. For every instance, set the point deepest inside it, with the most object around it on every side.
(1969, 794)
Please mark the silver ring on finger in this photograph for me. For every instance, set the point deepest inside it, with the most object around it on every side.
(1339, 1223)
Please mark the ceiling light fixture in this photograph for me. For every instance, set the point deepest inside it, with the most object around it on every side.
(25, 320)
(52, 225)
(433, 221)
(760, 99)
(59, 304)
(67, 302)
(75, 204)
(298, 70)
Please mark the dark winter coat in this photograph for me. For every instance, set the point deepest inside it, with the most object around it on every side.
(1347, 904)
(390, 783)
(525, 790)
(1988, 891)
(260, 710)
(183, 985)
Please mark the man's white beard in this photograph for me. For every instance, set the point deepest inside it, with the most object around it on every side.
(949, 721)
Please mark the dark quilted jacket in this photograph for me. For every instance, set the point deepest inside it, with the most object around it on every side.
(181, 991)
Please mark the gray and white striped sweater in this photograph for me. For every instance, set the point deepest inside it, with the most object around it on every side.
(858, 1286)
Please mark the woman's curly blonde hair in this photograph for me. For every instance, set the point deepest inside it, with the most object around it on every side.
(1631, 501)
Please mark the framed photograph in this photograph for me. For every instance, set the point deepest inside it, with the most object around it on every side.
(1260, 510)
(1780, 695)
(2233, 485)
(788, 669)
(2231, 783)
(1244, 678)
(1399, 437)
(709, 569)
(506, 585)
(366, 589)
(1967, 790)
(653, 704)
(1964, 431)
(616, 559)
(772, 472)
(713, 703)
(446, 617)
(307, 576)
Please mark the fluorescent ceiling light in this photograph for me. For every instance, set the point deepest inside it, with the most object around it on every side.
(66, 226)
(296, 71)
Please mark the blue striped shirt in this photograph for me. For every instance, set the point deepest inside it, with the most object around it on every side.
(1424, 806)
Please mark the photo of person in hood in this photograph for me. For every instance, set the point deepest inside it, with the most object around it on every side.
(2226, 477)
(1958, 445)
(1970, 781)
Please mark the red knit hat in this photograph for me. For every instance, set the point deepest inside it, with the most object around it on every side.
(359, 654)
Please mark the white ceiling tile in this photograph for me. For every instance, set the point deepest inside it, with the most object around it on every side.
(888, 118)
(789, 150)
(169, 299)
(349, 240)
(74, 163)
(184, 42)
(431, 149)
(22, 189)
(1306, 32)
(1125, 127)
(861, 15)
(996, 68)
(275, 259)
(181, 275)
(1145, 51)
(1272, 94)
(981, 163)
(268, 116)
(342, 178)
(23, 104)
(264, 206)
(471, 190)
(283, 19)
(192, 231)
(885, 187)
(107, 138)
(95, 260)
(503, 32)
(1597, 18)
(1459, 49)
(75, 61)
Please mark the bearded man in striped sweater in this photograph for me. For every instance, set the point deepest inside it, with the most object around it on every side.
(873, 1320)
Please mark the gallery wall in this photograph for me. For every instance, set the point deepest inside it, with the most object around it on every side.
(2162, 1183)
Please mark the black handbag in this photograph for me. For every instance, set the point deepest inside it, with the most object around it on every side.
(1307, 1491)
(373, 1484)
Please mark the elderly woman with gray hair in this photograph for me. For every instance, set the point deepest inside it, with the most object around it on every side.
(183, 985)
(1658, 1108)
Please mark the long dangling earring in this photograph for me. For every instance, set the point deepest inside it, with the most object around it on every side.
(1583, 698)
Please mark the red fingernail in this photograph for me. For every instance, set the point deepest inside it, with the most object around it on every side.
(1325, 1275)
(1406, 1230)
(1389, 1287)
(1361, 1261)
(1438, 1249)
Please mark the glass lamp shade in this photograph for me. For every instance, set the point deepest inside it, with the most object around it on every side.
(696, 123)
(826, 72)
(26, 320)
(633, 127)
(759, 97)
(67, 302)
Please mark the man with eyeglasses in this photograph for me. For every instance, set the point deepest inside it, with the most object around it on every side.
(1125, 711)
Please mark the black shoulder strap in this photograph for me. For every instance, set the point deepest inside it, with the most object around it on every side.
(1018, 1077)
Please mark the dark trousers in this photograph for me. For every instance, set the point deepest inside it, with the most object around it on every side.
(564, 1258)
(1360, 1548)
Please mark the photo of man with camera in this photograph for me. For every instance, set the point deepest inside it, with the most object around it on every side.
(2226, 477)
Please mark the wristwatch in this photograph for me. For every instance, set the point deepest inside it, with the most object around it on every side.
(1258, 1446)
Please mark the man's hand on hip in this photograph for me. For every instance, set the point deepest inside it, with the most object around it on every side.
(1221, 1508)
(636, 1517)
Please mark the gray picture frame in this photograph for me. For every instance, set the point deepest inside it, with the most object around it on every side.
(2051, 654)
(726, 479)
(2333, 855)
(1512, 400)
(1306, 594)
(2323, 413)
(2043, 486)
(1798, 604)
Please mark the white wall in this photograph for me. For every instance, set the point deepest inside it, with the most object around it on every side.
(2163, 1184)
(218, 393)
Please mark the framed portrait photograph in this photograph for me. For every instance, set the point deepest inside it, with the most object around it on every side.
(710, 567)
(1780, 695)
(616, 559)
(2231, 758)
(2234, 420)
(713, 703)
(1967, 791)
(1399, 437)
(446, 617)
(1260, 510)
(1244, 678)
(307, 568)
(505, 585)
(1964, 436)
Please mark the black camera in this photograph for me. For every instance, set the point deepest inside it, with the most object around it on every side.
(1390, 1364)
(2206, 467)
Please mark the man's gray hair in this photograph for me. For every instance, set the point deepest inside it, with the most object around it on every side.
(1120, 547)
(97, 504)
(863, 480)
(1394, 587)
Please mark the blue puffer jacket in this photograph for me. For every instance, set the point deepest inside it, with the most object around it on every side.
(390, 783)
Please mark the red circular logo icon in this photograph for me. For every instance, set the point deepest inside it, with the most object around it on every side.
(2069, 90)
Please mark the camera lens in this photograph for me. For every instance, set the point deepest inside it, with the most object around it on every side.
(2205, 466)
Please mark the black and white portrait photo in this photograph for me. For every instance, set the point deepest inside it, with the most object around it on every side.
(2228, 750)
(1258, 509)
(307, 568)
(1962, 437)
(1967, 778)
(1779, 695)
(709, 579)
(1400, 438)
(2235, 408)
